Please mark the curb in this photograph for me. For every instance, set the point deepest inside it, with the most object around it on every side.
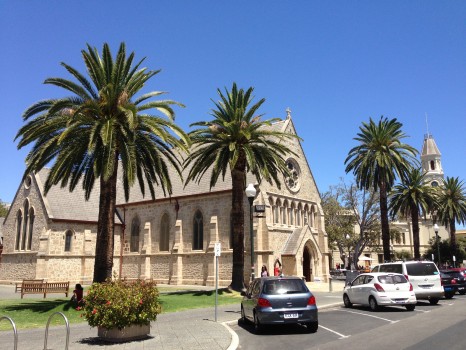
(234, 337)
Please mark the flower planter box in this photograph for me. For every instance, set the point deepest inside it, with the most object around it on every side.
(129, 333)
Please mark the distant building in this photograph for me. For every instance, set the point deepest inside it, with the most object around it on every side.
(431, 163)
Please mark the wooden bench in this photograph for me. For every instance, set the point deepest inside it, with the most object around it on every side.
(45, 288)
(19, 285)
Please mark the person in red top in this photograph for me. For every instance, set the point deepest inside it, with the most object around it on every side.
(77, 293)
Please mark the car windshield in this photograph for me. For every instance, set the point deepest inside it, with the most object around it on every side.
(421, 269)
(284, 286)
(392, 279)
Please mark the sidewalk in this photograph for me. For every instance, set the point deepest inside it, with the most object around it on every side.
(192, 329)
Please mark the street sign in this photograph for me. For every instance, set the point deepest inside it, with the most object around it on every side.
(218, 249)
(259, 208)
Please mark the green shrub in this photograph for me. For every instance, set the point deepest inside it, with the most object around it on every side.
(120, 303)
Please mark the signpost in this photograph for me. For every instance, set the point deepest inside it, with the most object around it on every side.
(217, 251)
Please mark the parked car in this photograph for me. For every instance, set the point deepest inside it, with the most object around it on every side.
(462, 270)
(423, 275)
(279, 300)
(452, 282)
(377, 289)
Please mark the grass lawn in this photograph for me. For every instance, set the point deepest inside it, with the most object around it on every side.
(34, 313)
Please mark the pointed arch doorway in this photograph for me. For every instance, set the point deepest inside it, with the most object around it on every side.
(307, 270)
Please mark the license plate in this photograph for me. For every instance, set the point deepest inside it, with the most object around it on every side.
(287, 316)
(447, 289)
(400, 301)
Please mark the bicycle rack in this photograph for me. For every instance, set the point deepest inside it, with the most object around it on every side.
(47, 330)
(14, 329)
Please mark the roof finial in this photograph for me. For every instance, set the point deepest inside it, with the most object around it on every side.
(428, 135)
(288, 113)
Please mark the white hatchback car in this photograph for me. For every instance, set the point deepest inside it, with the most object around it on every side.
(423, 275)
(380, 289)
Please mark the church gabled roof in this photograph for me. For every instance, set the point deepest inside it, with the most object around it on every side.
(62, 204)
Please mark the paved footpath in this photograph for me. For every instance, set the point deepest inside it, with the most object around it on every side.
(192, 329)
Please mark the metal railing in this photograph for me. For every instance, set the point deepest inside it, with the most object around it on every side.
(14, 330)
(67, 330)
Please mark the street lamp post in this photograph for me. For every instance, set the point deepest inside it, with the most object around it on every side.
(438, 245)
(251, 194)
(349, 251)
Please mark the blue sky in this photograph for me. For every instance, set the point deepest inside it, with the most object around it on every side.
(334, 63)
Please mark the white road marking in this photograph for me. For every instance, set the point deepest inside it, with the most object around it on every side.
(364, 314)
(342, 336)
(425, 311)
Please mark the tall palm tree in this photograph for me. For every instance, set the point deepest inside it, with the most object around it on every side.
(378, 159)
(102, 124)
(413, 197)
(452, 206)
(239, 141)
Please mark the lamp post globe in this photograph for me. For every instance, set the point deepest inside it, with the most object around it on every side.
(251, 194)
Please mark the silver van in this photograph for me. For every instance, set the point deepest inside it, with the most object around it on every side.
(423, 275)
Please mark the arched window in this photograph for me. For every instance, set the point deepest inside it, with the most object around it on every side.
(298, 215)
(164, 233)
(134, 243)
(276, 215)
(198, 231)
(292, 214)
(30, 228)
(285, 212)
(68, 239)
(19, 221)
(25, 224)
(432, 165)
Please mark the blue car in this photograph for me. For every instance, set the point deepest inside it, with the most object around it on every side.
(279, 300)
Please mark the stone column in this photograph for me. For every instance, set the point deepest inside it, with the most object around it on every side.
(146, 252)
(176, 276)
(44, 250)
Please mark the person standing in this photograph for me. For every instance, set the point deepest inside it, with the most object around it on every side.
(264, 272)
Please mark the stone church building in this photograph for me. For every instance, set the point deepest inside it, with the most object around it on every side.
(169, 239)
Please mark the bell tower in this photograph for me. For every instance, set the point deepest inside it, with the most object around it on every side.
(431, 161)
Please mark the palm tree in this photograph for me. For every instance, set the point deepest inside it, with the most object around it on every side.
(101, 125)
(378, 159)
(413, 197)
(239, 141)
(452, 206)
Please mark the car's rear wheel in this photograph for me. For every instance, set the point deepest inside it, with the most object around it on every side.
(346, 301)
(462, 292)
(410, 307)
(433, 301)
(373, 304)
(449, 295)
(312, 326)
(257, 326)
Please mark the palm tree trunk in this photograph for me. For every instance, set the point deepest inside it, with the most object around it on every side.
(415, 221)
(237, 218)
(453, 236)
(105, 229)
(384, 221)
